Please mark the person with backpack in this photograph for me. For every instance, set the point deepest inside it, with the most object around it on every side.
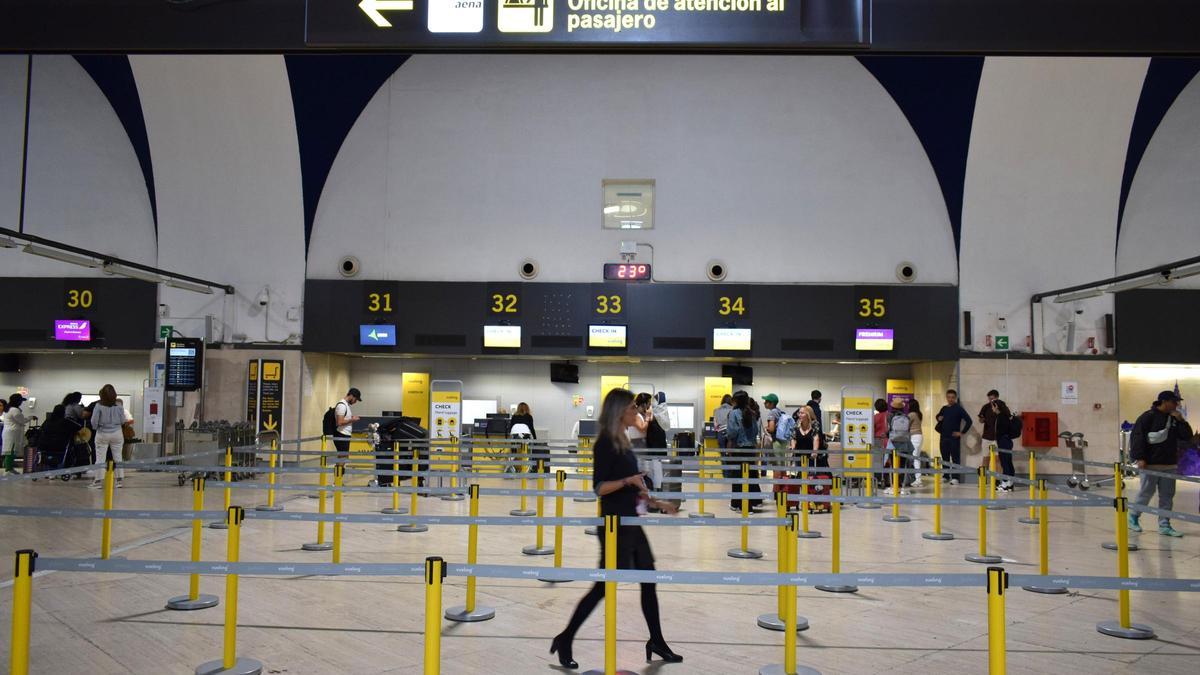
(1007, 427)
(339, 422)
(771, 417)
(743, 431)
(900, 438)
(1154, 445)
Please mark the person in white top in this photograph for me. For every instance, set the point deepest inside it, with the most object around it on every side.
(345, 417)
(107, 419)
(15, 422)
(637, 432)
(126, 446)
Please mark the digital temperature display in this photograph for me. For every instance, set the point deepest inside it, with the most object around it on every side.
(626, 272)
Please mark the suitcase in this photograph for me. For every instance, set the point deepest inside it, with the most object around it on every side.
(819, 490)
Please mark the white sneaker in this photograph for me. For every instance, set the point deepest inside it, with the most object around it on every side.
(918, 484)
(954, 481)
(95, 485)
(889, 491)
(120, 483)
(903, 492)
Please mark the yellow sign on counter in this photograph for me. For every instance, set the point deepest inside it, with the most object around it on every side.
(610, 382)
(414, 400)
(901, 387)
(715, 389)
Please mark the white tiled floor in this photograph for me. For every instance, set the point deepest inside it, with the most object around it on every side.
(117, 624)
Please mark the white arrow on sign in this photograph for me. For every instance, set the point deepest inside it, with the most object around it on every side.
(375, 9)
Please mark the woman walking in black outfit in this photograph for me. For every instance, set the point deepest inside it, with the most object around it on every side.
(622, 492)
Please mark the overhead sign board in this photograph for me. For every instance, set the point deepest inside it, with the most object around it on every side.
(377, 335)
(588, 24)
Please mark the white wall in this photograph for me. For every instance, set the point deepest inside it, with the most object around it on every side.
(464, 165)
(513, 381)
(1042, 188)
(1162, 213)
(223, 138)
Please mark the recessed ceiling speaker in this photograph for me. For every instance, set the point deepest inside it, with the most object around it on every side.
(716, 270)
(906, 272)
(529, 269)
(349, 266)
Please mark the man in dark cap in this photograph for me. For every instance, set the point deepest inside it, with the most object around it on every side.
(346, 418)
(1154, 445)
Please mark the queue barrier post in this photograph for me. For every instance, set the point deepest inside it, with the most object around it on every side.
(194, 599)
(539, 546)
(585, 444)
(835, 511)
(412, 504)
(610, 601)
(339, 478)
(106, 525)
(805, 506)
(897, 481)
(1032, 518)
(18, 655)
(594, 530)
(997, 582)
(937, 534)
(983, 557)
(322, 481)
(560, 481)
(993, 455)
(523, 510)
(228, 491)
(785, 542)
(435, 572)
(1044, 546)
(323, 447)
(395, 509)
(272, 461)
(1123, 627)
(1118, 493)
(700, 512)
(869, 481)
(744, 551)
(792, 622)
(456, 465)
(231, 663)
(469, 612)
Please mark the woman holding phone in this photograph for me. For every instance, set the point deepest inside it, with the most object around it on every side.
(622, 492)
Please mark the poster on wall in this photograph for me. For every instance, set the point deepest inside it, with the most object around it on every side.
(1070, 393)
(270, 397)
(900, 389)
(715, 389)
(857, 416)
(252, 391)
(445, 411)
(152, 410)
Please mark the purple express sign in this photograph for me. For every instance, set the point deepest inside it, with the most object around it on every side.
(73, 330)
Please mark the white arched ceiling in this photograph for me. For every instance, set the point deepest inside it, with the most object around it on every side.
(787, 168)
(223, 140)
(1162, 214)
(12, 121)
(1043, 185)
(84, 185)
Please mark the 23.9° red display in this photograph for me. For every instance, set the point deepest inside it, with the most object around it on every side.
(626, 272)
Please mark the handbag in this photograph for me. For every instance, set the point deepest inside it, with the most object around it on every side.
(127, 432)
(84, 435)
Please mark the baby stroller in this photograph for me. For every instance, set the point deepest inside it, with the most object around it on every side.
(59, 447)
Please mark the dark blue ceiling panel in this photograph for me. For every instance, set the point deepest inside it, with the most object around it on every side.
(329, 91)
(937, 95)
(114, 76)
(1165, 79)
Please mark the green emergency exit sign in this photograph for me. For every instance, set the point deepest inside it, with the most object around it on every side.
(164, 331)
(1001, 343)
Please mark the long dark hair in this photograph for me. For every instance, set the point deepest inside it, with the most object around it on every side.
(611, 412)
(741, 401)
(108, 395)
(915, 407)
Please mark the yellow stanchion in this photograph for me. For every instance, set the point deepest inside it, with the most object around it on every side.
(227, 491)
(785, 540)
(835, 512)
(744, 551)
(470, 612)
(1124, 627)
(194, 600)
(539, 546)
(395, 508)
(230, 661)
(454, 451)
(412, 505)
(322, 481)
(983, 556)
(792, 623)
(18, 656)
(997, 582)
(272, 462)
(559, 485)
(805, 506)
(435, 572)
(339, 478)
(1032, 518)
(585, 453)
(1118, 493)
(524, 509)
(993, 460)
(897, 481)
(937, 534)
(610, 596)
(1044, 547)
(869, 481)
(701, 454)
(106, 525)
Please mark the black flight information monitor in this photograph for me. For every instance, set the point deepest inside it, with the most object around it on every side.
(626, 272)
(185, 364)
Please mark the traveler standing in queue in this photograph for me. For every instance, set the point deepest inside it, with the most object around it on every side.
(879, 432)
(916, 437)
(721, 420)
(107, 419)
(1004, 441)
(1154, 445)
(127, 435)
(522, 416)
(808, 439)
(815, 404)
(636, 432)
(771, 418)
(900, 436)
(622, 492)
(987, 418)
(13, 438)
(743, 433)
(344, 419)
(952, 423)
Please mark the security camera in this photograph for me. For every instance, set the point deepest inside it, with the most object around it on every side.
(264, 297)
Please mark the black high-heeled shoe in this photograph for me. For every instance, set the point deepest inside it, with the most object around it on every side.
(563, 647)
(662, 650)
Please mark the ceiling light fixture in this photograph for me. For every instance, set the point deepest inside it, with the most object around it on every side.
(189, 286)
(62, 256)
(133, 273)
(1079, 295)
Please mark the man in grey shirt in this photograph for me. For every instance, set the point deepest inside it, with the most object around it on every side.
(721, 420)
